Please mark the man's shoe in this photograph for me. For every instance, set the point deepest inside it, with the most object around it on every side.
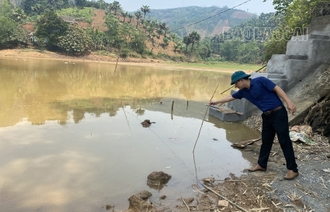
(256, 168)
(290, 175)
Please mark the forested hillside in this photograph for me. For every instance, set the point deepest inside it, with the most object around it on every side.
(79, 27)
(217, 20)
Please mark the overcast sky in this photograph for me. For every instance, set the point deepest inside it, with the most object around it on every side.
(253, 6)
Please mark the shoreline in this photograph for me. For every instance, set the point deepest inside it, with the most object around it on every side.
(94, 58)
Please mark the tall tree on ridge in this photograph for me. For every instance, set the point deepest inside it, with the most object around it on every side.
(115, 7)
(145, 9)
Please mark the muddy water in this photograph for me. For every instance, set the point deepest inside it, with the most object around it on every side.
(71, 137)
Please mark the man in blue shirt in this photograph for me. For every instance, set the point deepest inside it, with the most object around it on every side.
(267, 96)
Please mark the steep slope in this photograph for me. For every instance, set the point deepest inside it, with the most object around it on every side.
(207, 21)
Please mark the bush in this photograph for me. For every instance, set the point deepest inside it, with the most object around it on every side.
(124, 53)
(10, 34)
(75, 42)
(50, 27)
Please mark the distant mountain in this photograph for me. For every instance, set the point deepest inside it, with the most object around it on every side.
(210, 21)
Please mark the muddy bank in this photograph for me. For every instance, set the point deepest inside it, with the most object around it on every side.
(96, 58)
(36, 54)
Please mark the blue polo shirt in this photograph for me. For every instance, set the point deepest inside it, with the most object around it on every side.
(260, 94)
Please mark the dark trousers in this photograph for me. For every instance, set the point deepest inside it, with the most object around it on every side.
(276, 122)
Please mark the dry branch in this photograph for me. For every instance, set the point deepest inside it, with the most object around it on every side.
(231, 202)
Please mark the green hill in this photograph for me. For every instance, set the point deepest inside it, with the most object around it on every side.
(210, 21)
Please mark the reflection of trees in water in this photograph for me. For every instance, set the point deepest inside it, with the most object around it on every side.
(110, 106)
(47, 90)
(140, 111)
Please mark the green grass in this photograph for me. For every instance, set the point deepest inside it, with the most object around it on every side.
(221, 66)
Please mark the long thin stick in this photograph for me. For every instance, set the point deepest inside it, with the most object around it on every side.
(207, 109)
(185, 204)
(231, 202)
(117, 60)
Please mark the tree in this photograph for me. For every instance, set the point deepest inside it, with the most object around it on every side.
(130, 16)
(75, 42)
(102, 4)
(230, 50)
(124, 14)
(145, 9)
(204, 51)
(138, 16)
(281, 5)
(164, 28)
(59, 4)
(115, 7)
(138, 43)
(35, 7)
(187, 41)
(50, 27)
(10, 34)
(18, 15)
(113, 33)
(80, 3)
(249, 53)
(5, 8)
(194, 38)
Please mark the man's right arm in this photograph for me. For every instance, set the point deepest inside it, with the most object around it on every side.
(223, 100)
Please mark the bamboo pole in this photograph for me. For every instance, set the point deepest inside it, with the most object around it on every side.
(207, 109)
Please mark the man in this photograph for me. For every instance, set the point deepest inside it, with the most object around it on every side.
(266, 95)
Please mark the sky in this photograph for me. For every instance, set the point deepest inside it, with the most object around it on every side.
(252, 6)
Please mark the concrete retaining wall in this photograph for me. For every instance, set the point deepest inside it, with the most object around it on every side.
(305, 53)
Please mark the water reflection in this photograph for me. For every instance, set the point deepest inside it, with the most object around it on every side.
(71, 137)
(44, 90)
(234, 133)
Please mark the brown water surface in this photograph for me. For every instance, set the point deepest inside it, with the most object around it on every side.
(71, 137)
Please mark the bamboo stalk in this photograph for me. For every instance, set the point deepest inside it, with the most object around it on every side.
(207, 109)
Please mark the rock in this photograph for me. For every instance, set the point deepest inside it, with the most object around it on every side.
(157, 180)
(147, 123)
(109, 207)
(208, 181)
(188, 201)
(163, 197)
(141, 202)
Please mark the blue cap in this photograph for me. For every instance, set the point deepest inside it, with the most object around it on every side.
(238, 75)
